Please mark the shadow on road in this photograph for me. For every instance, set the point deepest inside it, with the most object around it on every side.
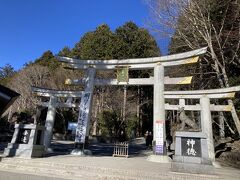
(97, 149)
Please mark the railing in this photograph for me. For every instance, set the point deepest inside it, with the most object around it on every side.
(121, 149)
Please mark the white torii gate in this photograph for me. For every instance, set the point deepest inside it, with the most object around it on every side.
(204, 107)
(156, 63)
(52, 104)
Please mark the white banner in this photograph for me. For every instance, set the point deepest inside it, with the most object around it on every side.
(159, 137)
(83, 118)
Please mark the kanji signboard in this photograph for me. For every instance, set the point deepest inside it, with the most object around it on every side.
(23, 136)
(191, 147)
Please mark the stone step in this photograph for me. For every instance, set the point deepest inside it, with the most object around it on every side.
(76, 171)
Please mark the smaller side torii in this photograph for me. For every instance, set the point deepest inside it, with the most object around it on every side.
(52, 104)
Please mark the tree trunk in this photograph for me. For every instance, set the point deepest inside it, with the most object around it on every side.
(10, 114)
(221, 125)
(124, 102)
(95, 112)
(224, 85)
(230, 102)
(138, 102)
(138, 111)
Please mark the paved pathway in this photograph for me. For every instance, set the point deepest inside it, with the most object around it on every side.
(6, 175)
(102, 166)
(74, 167)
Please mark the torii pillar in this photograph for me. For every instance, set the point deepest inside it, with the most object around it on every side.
(206, 125)
(51, 113)
(159, 131)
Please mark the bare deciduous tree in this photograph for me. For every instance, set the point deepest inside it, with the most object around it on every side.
(196, 24)
(33, 75)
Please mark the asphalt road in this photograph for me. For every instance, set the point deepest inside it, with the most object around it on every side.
(4, 175)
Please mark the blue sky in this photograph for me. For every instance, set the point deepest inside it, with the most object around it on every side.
(30, 27)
